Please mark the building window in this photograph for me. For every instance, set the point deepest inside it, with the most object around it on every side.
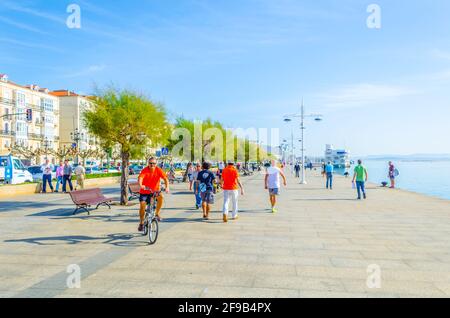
(6, 127)
(21, 102)
(21, 129)
(47, 104)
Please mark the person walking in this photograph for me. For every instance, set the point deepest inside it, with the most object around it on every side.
(329, 170)
(67, 176)
(47, 169)
(230, 184)
(360, 176)
(198, 197)
(297, 169)
(190, 175)
(273, 184)
(80, 174)
(59, 175)
(221, 166)
(392, 174)
(323, 169)
(205, 187)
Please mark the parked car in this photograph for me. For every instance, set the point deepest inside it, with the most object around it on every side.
(36, 173)
(136, 169)
(94, 170)
(111, 170)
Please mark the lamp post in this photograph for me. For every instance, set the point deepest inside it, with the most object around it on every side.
(46, 144)
(303, 116)
(76, 137)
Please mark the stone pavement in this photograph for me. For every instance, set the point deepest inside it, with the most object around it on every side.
(319, 244)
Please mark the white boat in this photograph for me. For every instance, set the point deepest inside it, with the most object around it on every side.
(340, 158)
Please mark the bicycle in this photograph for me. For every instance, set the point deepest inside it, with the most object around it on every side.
(151, 223)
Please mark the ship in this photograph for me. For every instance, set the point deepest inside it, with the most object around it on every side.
(340, 158)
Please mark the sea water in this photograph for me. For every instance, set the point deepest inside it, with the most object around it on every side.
(426, 177)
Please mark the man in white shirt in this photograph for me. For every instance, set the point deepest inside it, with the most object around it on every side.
(80, 173)
(46, 169)
(273, 183)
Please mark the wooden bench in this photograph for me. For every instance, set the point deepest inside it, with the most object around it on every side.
(134, 189)
(84, 199)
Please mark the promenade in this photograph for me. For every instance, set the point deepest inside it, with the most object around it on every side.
(319, 244)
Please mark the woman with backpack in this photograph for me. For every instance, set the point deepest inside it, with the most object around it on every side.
(393, 173)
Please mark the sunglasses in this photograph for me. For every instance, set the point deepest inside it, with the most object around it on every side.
(152, 163)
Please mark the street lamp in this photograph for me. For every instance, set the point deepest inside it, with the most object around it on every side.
(303, 116)
(46, 144)
(76, 137)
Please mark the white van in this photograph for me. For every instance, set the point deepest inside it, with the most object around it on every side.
(12, 171)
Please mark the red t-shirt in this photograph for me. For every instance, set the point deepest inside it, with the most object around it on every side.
(230, 176)
(151, 178)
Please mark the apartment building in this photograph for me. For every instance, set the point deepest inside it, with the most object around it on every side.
(41, 130)
(72, 128)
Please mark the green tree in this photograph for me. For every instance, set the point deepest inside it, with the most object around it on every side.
(231, 142)
(129, 120)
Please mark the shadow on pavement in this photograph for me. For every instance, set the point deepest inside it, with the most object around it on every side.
(56, 212)
(10, 206)
(319, 199)
(112, 239)
(105, 218)
(182, 220)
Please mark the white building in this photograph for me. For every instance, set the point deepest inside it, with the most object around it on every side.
(41, 130)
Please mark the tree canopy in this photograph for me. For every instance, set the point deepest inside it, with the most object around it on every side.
(127, 119)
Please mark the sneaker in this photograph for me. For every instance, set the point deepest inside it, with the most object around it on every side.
(365, 196)
(274, 210)
(141, 227)
(225, 218)
(236, 218)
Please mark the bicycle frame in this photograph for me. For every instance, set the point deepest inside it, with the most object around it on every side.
(150, 220)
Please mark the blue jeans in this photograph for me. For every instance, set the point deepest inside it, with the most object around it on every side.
(361, 187)
(46, 178)
(198, 197)
(69, 180)
(329, 180)
(58, 183)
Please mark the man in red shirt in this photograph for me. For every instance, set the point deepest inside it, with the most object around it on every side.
(230, 184)
(150, 182)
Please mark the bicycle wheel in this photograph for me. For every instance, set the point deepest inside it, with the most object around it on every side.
(145, 227)
(153, 231)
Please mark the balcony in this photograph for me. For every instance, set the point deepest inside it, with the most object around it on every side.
(7, 133)
(6, 101)
(35, 136)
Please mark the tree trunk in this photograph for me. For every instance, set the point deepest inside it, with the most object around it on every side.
(124, 178)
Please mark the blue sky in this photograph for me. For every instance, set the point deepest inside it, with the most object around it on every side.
(249, 62)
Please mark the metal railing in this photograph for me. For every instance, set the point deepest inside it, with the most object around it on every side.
(7, 101)
(7, 133)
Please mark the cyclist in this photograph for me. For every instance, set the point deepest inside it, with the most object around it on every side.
(150, 182)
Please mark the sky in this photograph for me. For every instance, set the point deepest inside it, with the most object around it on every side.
(247, 63)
